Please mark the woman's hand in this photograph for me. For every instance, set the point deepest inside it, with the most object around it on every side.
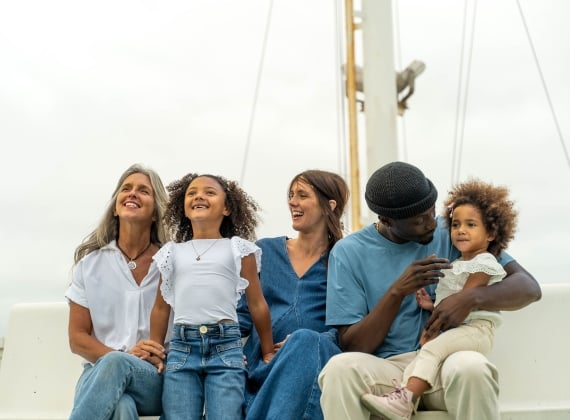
(151, 351)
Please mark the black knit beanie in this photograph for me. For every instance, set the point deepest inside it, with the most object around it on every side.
(399, 190)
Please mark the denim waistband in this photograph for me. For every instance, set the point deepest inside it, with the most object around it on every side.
(221, 329)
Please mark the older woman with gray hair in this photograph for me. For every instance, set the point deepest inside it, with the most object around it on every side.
(112, 292)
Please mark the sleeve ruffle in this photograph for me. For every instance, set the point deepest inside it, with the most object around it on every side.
(164, 263)
(242, 248)
(486, 263)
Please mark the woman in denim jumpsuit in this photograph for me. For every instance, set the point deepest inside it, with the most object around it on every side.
(294, 278)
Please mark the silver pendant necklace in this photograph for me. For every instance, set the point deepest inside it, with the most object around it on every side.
(199, 255)
(132, 261)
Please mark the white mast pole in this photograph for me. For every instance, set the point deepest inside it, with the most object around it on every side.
(379, 77)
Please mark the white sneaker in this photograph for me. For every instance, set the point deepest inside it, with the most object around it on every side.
(396, 405)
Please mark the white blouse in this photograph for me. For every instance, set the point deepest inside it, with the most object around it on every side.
(120, 308)
(456, 277)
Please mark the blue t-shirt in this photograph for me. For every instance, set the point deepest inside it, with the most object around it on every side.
(364, 264)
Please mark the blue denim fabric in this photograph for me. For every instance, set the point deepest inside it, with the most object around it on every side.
(118, 386)
(204, 369)
(296, 367)
(297, 306)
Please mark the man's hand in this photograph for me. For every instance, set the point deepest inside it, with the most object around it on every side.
(449, 313)
(421, 273)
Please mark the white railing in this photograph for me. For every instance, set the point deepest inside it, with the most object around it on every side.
(38, 372)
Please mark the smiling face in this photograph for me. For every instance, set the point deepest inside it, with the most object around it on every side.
(468, 232)
(135, 199)
(205, 201)
(306, 212)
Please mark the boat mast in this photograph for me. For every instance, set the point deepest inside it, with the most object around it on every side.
(379, 87)
(354, 172)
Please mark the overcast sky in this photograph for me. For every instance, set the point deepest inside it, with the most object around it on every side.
(86, 89)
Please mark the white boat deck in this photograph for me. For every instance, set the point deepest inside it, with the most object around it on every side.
(38, 372)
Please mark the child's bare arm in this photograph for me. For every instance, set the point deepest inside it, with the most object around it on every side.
(258, 307)
(159, 317)
(477, 280)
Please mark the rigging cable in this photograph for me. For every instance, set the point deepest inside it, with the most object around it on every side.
(256, 92)
(462, 110)
(551, 106)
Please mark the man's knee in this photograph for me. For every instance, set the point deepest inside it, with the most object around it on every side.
(468, 366)
(336, 367)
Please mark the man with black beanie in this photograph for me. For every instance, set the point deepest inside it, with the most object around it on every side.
(373, 277)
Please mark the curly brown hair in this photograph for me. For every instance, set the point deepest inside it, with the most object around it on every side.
(242, 220)
(497, 210)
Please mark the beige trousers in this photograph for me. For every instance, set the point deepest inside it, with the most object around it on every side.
(477, 335)
(466, 387)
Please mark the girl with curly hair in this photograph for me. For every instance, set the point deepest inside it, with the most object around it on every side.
(209, 264)
(481, 221)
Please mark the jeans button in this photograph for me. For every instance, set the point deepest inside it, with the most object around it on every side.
(203, 329)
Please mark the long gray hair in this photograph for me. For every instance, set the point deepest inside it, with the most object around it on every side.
(108, 227)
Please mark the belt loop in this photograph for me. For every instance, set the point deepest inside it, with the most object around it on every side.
(221, 324)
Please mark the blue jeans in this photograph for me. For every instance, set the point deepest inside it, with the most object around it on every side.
(204, 370)
(287, 387)
(118, 386)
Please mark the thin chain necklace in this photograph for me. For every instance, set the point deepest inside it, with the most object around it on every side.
(198, 254)
(132, 261)
(379, 228)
